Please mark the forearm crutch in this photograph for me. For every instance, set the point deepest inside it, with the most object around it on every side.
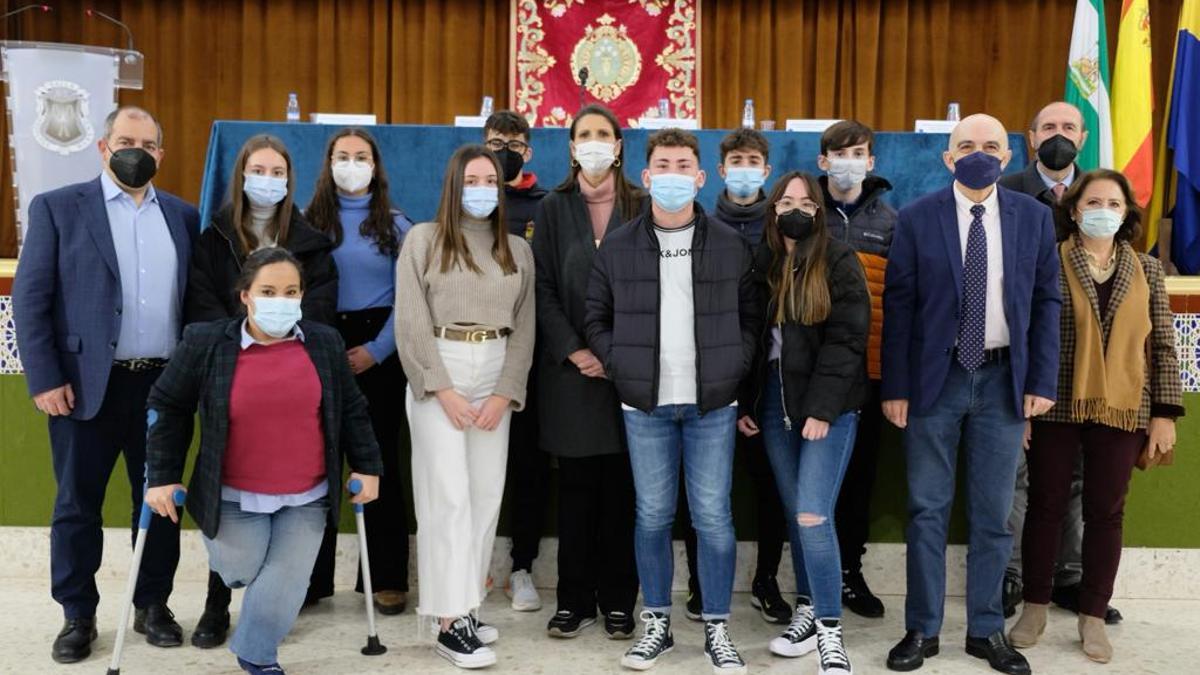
(114, 666)
(373, 647)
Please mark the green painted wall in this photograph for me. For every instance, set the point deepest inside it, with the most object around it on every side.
(1159, 512)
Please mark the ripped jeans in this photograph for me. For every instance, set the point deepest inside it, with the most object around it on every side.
(809, 475)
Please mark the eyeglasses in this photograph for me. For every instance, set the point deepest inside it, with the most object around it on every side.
(498, 144)
(807, 207)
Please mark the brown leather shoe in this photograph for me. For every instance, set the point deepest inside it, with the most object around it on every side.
(391, 603)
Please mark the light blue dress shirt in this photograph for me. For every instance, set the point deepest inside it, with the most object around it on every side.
(1050, 182)
(148, 267)
(259, 502)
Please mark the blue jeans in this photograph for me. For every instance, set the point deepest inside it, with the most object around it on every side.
(656, 443)
(976, 408)
(809, 475)
(272, 555)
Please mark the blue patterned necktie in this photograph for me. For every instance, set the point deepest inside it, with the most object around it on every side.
(973, 317)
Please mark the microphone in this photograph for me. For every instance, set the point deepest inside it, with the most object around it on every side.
(26, 8)
(583, 78)
(124, 27)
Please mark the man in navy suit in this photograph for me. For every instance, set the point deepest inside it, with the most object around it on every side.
(970, 353)
(96, 302)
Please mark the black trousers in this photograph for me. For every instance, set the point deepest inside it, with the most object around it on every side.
(596, 565)
(84, 455)
(768, 511)
(526, 489)
(853, 514)
(387, 521)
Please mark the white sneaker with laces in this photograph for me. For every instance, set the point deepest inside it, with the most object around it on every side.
(523, 593)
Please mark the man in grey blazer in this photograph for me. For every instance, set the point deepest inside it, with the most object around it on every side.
(97, 306)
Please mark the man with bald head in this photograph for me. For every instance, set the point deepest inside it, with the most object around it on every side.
(1056, 134)
(970, 353)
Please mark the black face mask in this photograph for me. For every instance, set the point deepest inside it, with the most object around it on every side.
(1057, 152)
(134, 167)
(796, 225)
(511, 162)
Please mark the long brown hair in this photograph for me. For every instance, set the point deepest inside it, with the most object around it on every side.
(628, 197)
(799, 280)
(449, 235)
(238, 205)
(322, 211)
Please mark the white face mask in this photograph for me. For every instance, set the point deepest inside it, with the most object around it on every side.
(352, 176)
(595, 156)
(846, 173)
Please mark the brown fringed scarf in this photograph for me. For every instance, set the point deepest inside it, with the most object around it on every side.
(1107, 385)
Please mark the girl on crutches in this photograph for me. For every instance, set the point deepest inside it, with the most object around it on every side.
(278, 410)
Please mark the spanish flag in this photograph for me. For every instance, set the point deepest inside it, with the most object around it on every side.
(1177, 175)
(1133, 100)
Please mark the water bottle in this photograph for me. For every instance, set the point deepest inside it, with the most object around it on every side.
(664, 108)
(293, 108)
(485, 108)
(952, 112)
(748, 114)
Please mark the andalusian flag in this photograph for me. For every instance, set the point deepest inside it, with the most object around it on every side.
(1177, 178)
(1087, 83)
(1133, 103)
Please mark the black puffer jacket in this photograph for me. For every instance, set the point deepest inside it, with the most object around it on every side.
(824, 365)
(217, 261)
(622, 314)
(869, 226)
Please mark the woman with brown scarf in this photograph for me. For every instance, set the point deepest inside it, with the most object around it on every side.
(1119, 393)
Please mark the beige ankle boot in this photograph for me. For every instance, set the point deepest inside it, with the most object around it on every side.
(1030, 626)
(1095, 640)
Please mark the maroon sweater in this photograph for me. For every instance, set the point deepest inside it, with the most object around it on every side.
(275, 444)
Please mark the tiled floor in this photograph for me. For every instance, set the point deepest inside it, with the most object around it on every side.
(1160, 637)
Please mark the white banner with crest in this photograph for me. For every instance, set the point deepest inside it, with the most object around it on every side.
(57, 102)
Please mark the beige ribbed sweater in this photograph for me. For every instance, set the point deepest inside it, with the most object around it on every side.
(426, 298)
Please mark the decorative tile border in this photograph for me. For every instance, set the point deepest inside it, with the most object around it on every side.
(10, 363)
(1187, 342)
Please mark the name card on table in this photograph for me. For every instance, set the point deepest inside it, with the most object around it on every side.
(345, 119)
(813, 126)
(667, 123)
(934, 126)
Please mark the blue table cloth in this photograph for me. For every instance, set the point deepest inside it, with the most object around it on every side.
(415, 158)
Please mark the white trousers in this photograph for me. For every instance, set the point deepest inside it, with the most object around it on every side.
(458, 482)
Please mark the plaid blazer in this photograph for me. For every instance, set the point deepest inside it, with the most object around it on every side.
(200, 375)
(1162, 395)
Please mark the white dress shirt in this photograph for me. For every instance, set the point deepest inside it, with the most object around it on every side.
(996, 323)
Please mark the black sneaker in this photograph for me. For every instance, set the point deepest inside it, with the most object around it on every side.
(800, 637)
(486, 633)
(1011, 595)
(462, 647)
(720, 650)
(568, 624)
(694, 608)
(765, 597)
(832, 651)
(656, 640)
(619, 625)
(857, 596)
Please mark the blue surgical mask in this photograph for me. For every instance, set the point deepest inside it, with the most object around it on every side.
(264, 190)
(744, 181)
(276, 316)
(977, 170)
(672, 192)
(1100, 223)
(480, 200)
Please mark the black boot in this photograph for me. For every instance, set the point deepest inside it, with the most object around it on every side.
(857, 596)
(214, 623)
(157, 623)
(74, 641)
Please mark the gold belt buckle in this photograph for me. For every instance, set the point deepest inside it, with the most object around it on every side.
(477, 336)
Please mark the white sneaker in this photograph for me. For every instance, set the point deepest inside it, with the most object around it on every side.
(524, 595)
